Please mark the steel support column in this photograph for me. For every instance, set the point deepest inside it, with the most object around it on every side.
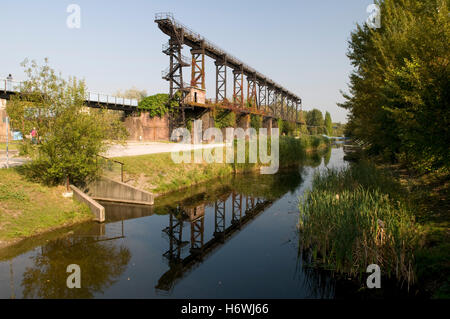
(262, 96)
(251, 90)
(271, 99)
(221, 80)
(238, 87)
(197, 231)
(198, 67)
(236, 212)
(219, 218)
(175, 235)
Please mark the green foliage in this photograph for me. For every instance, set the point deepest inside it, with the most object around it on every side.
(315, 122)
(328, 124)
(224, 118)
(256, 121)
(351, 219)
(399, 90)
(157, 105)
(69, 134)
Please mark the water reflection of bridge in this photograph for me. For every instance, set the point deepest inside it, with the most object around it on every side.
(243, 210)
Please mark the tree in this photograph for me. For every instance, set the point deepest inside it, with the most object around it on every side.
(328, 124)
(399, 91)
(158, 104)
(315, 122)
(70, 135)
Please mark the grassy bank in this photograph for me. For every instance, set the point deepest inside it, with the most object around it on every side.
(28, 208)
(11, 146)
(159, 174)
(364, 215)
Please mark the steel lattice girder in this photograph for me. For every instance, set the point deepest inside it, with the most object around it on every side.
(219, 217)
(175, 234)
(238, 90)
(262, 95)
(278, 103)
(288, 108)
(251, 90)
(175, 72)
(236, 213)
(221, 80)
(271, 99)
(197, 232)
(198, 67)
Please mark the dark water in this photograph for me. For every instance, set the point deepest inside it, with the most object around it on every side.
(230, 238)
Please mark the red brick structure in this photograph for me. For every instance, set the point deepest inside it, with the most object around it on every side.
(146, 128)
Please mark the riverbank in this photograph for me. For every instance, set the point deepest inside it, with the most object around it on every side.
(29, 209)
(380, 214)
(159, 174)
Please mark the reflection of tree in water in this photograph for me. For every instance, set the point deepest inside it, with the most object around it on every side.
(327, 156)
(100, 262)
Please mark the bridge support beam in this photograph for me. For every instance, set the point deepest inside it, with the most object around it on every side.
(197, 230)
(198, 67)
(243, 120)
(219, 219)
(238, 87)
(262, 96)
(236, 212)
(221, 80)
(251, 91)
(270, 100)
(267, 123)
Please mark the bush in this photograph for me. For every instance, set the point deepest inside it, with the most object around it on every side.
(69, 134)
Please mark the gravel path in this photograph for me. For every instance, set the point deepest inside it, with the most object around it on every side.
(132, 149)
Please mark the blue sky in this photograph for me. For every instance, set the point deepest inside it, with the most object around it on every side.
(299, 44)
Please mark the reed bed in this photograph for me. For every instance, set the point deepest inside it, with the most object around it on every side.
(353, 218)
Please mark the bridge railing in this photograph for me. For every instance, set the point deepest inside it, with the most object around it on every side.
(10, 86)
(15, 87)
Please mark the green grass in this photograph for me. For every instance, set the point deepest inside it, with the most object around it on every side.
(343, 216)
(159, 174)
(352, 218)
(28, 208)
(12, 146)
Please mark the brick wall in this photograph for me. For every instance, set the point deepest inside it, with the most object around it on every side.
(145, 128)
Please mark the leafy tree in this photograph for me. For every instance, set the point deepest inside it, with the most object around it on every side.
(315, 122)
(224, 118)
(328, 124)
(158, 104)
(101, 263)
(70, 135)
(399, 91)
(256, 121)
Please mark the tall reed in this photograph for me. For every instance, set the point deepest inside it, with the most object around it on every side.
(352, 218)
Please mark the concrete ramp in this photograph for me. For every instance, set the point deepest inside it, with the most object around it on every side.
(108, 190)
(97, 209)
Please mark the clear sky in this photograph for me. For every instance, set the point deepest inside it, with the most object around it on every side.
(299, 44)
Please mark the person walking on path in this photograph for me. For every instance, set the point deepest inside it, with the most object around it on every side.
(34, 135)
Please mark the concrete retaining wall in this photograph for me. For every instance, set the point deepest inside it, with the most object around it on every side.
(106, 189)
(97, 209)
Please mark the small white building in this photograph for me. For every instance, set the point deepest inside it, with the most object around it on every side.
(195, 95)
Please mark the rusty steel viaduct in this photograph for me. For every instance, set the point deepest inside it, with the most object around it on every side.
(264, 97)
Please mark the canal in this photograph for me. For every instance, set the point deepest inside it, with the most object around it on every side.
(234, 237)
